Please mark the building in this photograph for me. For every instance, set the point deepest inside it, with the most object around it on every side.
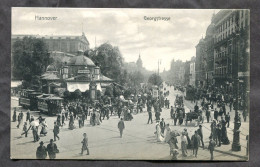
(231, 47)
(78, 73)
(139, 63)
(187, 73)
(222, 56)
(192, 71)
(61, 43)
(200, 64)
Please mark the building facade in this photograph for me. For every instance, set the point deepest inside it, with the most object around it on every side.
(62, 43)
(192, 71)
(223, 55)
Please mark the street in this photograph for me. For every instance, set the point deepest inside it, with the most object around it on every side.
(138, 142)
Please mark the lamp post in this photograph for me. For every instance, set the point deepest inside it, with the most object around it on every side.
(237, 120)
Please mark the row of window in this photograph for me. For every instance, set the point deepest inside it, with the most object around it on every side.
(221, 70)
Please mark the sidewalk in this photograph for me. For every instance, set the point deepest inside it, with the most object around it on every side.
(225, 150)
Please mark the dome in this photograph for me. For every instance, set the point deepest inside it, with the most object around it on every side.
(210, 29)
(51, 68)
(81, 60)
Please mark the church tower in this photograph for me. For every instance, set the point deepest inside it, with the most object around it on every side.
(139, 63)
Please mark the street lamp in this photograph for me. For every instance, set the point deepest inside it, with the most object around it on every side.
(237, 120)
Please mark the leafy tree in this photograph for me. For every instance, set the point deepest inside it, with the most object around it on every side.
(155, 79)
(110, 60)
(30, 58)
(77, 94)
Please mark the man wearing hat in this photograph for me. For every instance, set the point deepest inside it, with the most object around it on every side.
(195, 143)
(162, 125)
(56, 131)
(211, 147)
(41, 152)
(121, 126)
(52, 149)
(84, 144)
(200, 133)
(28, 115)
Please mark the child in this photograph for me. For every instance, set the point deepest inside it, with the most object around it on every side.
(84, 144)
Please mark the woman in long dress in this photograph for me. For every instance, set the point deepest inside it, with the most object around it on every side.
(44, 128)
(97, 120)
(158, 133)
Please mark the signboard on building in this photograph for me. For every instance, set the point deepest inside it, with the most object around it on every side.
(243, 74)
(83, 71)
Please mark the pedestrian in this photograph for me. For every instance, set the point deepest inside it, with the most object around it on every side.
(200, 133)
(56, 131)
(14, 115)
(66, 113)
(157, 115)
(35, 133)
(227, 119)
(175, 154)
(195, 143)
(211, 147)
(162, 126)
(80, 121)
(62, 119)
(41, 152)
(150, 117)
(172, 111)
(20, 119)
(175, 118)
(52, 149)
(121, 127)
(216, 114)
(25, 129)
(84, 144)
(28, 115)
(44, 128)
(83, 118)
(218, 133)
(184, 145)
(58, 122)
(207, 115)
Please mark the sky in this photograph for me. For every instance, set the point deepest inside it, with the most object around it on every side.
(129, 29)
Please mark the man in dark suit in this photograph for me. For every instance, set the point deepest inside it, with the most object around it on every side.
(149, 109)
(41, 152)
(162, 125)
(121, 127)
(52, 149)
(200, 133)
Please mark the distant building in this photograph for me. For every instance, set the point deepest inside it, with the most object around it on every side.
(192, 71)
(139, 63)
(187, 73)
(61, 43)
(200, 64)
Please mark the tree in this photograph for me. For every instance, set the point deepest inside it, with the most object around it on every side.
(155, 79)
(30, 58)
(110, 60)
(77, 94)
